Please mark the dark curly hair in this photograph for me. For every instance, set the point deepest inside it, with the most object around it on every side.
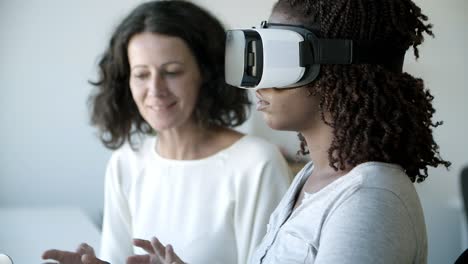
(377, 114)
(112, 108)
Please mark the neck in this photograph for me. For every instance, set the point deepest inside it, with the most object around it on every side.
(319, 138)
(319, 141)
(186, 142)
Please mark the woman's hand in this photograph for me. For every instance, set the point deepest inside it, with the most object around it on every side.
(84, 254)
(157, 253)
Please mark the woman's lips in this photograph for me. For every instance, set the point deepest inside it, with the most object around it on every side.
(161, 107)
(261, 103)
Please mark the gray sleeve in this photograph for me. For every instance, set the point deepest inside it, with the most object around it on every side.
(371, 226)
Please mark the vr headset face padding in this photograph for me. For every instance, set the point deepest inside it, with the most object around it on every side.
(286, 56)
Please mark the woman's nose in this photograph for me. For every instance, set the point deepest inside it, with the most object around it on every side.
(157, 87)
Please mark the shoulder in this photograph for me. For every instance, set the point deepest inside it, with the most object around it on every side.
(380, 197)
(386, 177)
(257, 155)
(129, 159)
(256, 160)
(375, 209)
(366, 201)
(129, 153)
(381, 174)
(379, 185)
(377, 192)
(255, 148)
(375, 219)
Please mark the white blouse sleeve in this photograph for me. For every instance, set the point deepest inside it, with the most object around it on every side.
(257, 197)
(116, 240)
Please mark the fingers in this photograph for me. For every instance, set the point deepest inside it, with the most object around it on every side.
(171, 256)
(158, 248)
(91, 259)
(55, 254)
(158, 253)
(84, 254)
(84, 248)
(139, 259)
(144, 244)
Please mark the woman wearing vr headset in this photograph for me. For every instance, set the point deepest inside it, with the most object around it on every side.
(189, 178)
(368, 130)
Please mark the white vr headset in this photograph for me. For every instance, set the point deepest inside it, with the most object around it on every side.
(286, 56)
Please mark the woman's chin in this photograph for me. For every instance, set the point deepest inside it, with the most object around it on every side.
(277, 124)
(161, 126)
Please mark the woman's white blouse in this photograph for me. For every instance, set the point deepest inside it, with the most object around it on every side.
(212, 210)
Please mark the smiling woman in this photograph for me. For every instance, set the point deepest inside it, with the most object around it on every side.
(165, 80)
(179, 171)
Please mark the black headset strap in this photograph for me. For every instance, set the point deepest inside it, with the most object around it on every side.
(343, 51)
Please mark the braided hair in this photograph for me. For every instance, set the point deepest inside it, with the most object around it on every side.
(376, 114)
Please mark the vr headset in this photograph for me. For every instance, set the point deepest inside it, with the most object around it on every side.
(288, 56)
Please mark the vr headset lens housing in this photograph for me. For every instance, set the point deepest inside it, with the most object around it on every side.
(285, 56)
(263, 58)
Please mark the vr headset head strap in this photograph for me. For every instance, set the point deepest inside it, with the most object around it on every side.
(316, 50)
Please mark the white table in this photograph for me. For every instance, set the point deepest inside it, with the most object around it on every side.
(26, 233)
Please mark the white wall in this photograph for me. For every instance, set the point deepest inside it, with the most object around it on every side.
(444, 67)
(49, 155)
